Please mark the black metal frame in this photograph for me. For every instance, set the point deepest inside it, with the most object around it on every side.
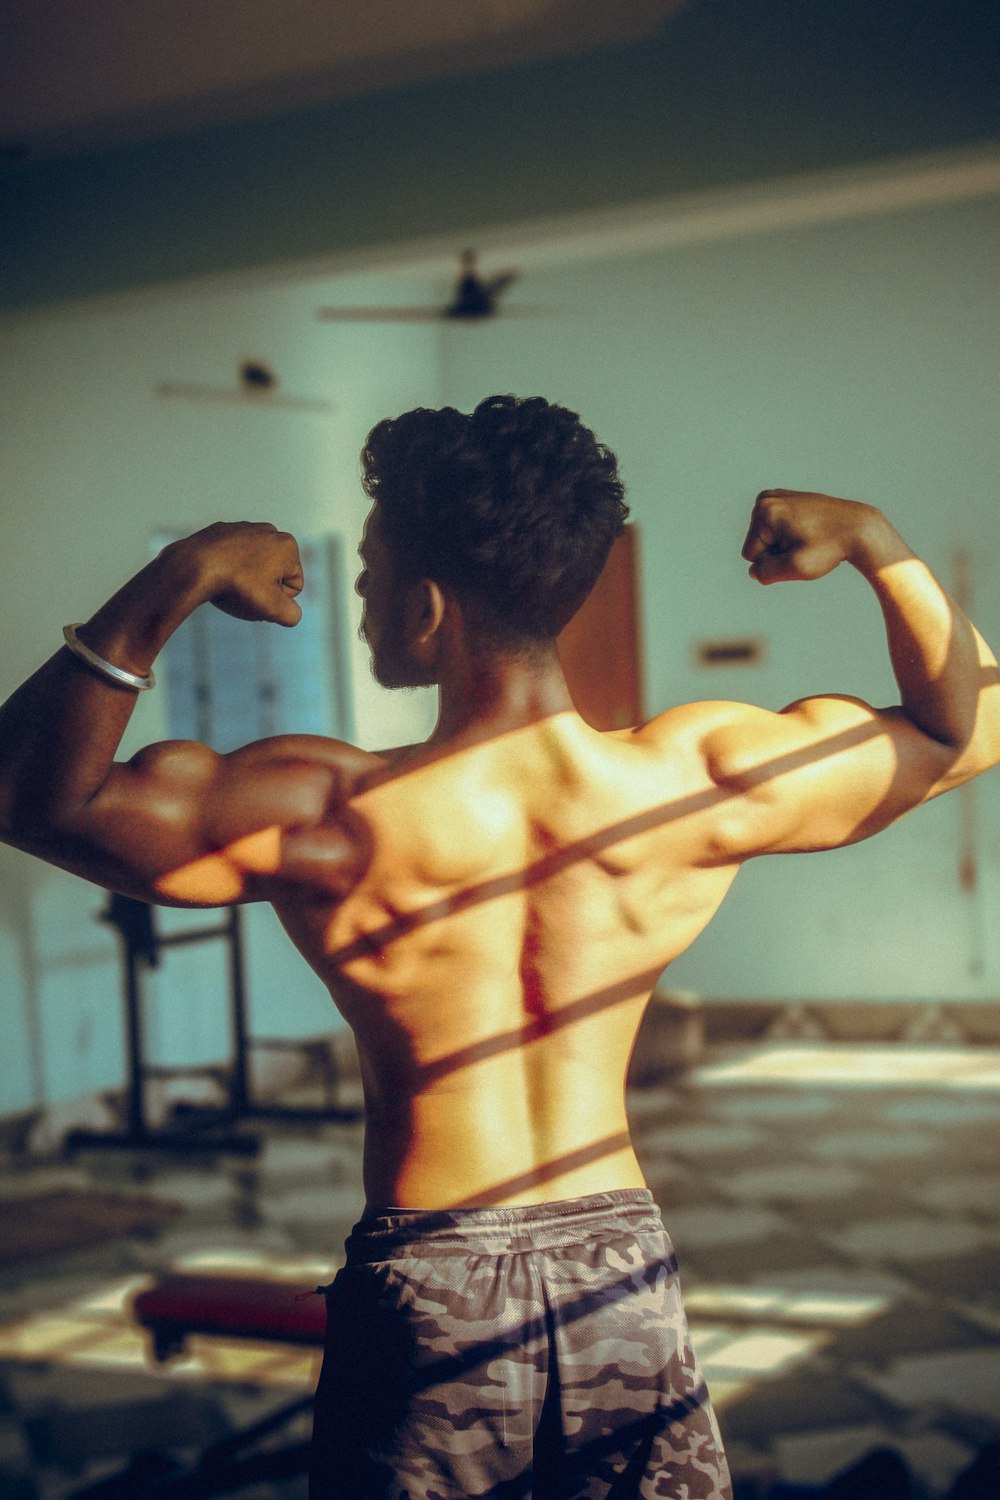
(194, 1128)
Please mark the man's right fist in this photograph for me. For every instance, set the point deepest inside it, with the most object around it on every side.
(251, 569)
(796, 535)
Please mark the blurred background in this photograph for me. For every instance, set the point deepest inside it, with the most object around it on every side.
(756, 245)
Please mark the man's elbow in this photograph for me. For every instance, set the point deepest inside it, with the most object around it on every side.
(974, 761)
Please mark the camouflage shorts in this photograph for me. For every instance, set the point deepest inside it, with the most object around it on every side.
(537, 1353)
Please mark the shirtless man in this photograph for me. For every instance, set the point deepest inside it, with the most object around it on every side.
(490, 910)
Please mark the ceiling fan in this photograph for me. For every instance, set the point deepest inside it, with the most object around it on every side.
(474, 298)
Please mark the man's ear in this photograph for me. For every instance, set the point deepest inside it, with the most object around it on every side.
(426, 607)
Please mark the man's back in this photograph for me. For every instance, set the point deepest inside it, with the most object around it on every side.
(511, 903)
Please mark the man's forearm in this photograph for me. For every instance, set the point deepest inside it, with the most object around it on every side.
(947, 674)
(59, 732)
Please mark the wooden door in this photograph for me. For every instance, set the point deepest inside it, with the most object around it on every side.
(600, 647)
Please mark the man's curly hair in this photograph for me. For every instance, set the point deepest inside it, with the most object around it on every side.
(514, 507)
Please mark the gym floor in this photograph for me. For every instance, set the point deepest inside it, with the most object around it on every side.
(835, 1209)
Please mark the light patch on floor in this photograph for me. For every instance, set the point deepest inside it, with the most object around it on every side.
(110, 1348)
(835, 1283)
(819, 1308)
(743, 1335)
(97, 1330)
(723, 1392)
(831, 1064)
(249, 1363)
(112, 1300)
(761, 1351)
(253, 1263)
(733, 1359)
(53, 1337)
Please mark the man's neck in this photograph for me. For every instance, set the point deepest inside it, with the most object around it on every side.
(483, 696)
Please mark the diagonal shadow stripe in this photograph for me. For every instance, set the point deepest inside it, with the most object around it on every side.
(454, 1367)
(371, 943)
(537, 1027)
(555, 1167)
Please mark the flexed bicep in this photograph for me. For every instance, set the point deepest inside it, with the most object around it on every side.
(180, 824)
(831, 770)
(62, 795)
(823, 773)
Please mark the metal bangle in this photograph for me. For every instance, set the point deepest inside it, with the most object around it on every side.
(105, 668)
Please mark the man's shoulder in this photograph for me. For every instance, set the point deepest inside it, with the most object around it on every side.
(715, 741)
(347, 764)
(690, 726)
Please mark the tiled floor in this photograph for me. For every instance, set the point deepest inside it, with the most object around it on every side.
(836, 1213)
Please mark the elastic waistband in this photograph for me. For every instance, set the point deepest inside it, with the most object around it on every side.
(385, 1233)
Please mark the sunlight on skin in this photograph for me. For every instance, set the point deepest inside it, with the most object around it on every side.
(593, 844)
(898, 576)
(501, 1192)
(537, 1028)
(218, 879)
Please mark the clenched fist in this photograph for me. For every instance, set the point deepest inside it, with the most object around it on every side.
(250, 569)
(796, 535)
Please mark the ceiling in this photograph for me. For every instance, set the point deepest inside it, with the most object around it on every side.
(75, 74)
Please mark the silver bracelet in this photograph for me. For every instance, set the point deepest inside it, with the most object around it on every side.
(105, 668)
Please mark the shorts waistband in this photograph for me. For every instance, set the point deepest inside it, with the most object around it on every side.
(385, 1233)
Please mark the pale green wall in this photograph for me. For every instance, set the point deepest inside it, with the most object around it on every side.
(860, 358)
(94, 462)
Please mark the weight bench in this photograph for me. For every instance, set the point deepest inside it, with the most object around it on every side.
(181, 1304)
(246, 1307)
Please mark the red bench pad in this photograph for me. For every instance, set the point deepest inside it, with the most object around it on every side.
(231, 1307)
